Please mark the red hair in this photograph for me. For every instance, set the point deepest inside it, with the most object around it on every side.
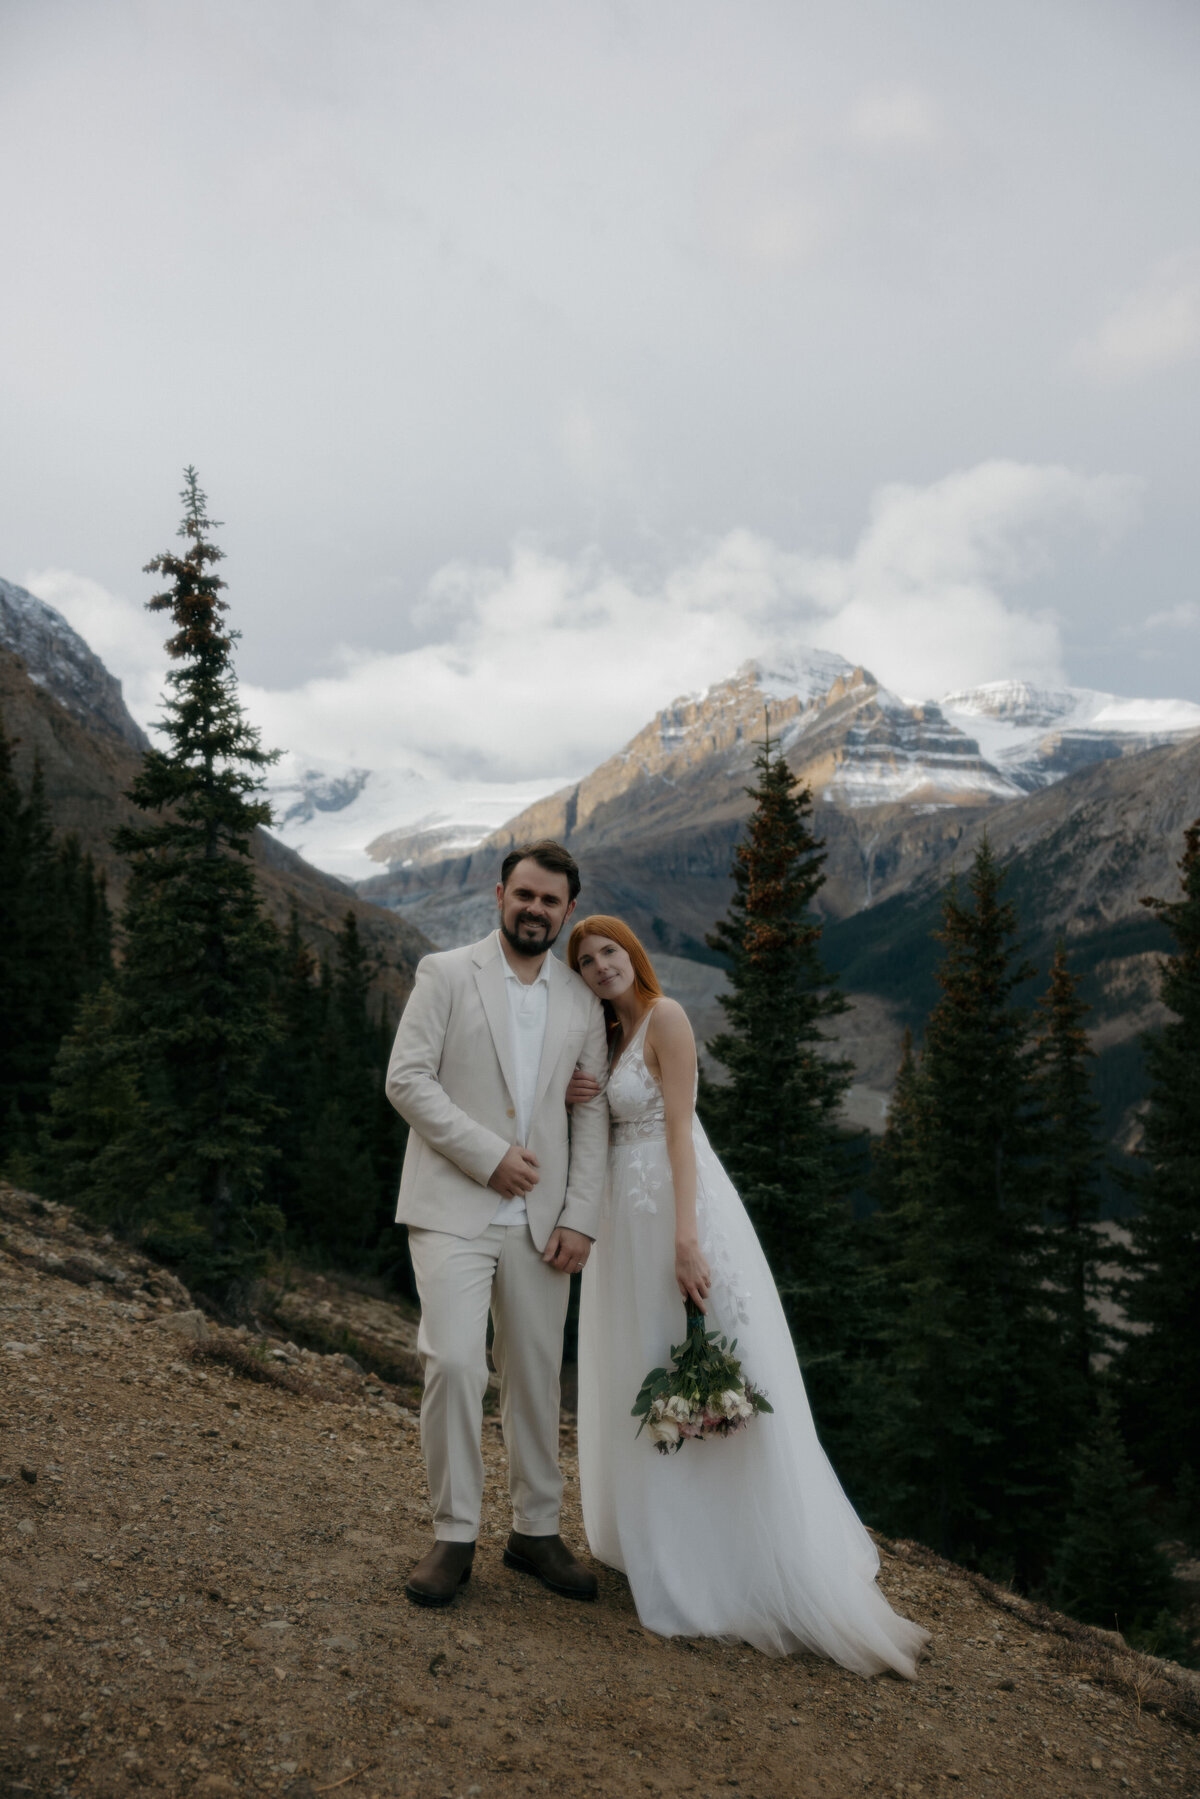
(601, 924)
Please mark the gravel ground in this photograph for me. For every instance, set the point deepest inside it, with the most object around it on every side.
(202, 1594)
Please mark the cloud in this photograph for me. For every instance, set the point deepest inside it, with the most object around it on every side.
(1157, 327)
(1175, 618)
(761, 206)
(551, 663)
(922, 599)
(900, 118)
(554, 662)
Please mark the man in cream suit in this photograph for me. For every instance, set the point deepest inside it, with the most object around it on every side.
(502, 1205)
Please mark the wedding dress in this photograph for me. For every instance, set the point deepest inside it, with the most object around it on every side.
(746, 1537)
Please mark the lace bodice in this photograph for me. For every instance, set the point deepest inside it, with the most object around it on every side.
(635, 1101)
(642, 1173)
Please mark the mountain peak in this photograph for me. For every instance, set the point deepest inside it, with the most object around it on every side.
(59, 661)
(798, 672)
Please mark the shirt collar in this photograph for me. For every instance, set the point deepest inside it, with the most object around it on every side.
(510, 973)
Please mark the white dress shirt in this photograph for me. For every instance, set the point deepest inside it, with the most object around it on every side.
(527, 1008)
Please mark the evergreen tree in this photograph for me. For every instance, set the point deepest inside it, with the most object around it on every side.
(340, 1142)
(94, 1144)
(1070, 1159)
(1161, 1293)
(894, 1157)
(775, 1122)
(194, 1013)
(336, 1186)
(55, 946)
(1108, 1569)
(971, 1457)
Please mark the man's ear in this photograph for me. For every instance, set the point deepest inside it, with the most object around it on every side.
(499, 893)
(569, 910)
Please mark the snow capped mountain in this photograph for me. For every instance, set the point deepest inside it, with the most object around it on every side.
(353, 821)
(857, 744)
(1035, 735)
(789, 672)
(59, 660)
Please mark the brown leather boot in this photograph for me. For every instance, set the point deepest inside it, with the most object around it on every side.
(552, 1562)
(439, 1574)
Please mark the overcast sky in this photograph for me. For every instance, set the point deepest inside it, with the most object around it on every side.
(545, 360)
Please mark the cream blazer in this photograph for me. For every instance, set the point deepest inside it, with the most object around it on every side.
(451, 1078)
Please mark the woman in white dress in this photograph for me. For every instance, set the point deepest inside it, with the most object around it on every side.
(748, 1536)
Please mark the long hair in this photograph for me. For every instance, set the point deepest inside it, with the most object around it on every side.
(601, 924)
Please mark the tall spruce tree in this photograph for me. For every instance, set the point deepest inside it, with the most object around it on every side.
(1161, 1292)
(1108, 1568)
(1070, 1161)
(775, 1122)
(193, 1017)
(970, 1456)
(55, 947)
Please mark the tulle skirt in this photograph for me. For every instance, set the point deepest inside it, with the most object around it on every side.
(747, 1537)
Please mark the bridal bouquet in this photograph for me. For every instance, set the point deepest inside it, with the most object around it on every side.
(703, 1393)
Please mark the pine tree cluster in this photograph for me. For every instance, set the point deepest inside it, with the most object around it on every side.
(55, 947)
(216, 1092)
(953, 1340)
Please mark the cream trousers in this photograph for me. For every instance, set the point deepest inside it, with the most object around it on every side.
(459, 1279)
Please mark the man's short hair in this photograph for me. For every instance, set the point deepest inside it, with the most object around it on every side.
(548, 855)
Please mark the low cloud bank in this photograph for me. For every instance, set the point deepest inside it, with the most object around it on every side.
(553, 662)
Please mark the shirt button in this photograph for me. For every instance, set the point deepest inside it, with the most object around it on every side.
(511, 1112)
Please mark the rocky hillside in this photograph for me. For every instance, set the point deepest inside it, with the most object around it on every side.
(58, 660)
(66, 714)
(203, 1541)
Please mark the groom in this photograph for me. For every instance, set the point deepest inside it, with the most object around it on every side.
(501, 1207)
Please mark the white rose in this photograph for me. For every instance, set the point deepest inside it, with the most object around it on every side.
(678, 1407)
(664, 1430)
(732, 1402)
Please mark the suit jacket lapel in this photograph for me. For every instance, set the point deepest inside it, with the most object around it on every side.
(489, 978)
(558, 1017)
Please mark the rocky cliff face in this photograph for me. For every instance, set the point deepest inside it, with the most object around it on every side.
(57, 659)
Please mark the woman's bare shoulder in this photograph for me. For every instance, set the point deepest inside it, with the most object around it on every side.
(669, 1022)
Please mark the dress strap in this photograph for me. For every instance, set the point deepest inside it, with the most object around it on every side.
(634, 1040)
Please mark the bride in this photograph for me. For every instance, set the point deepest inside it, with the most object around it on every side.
(747, 1536)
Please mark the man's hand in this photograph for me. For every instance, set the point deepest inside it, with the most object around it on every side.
(567, 1250)
(516, 1174)
(581, 1087)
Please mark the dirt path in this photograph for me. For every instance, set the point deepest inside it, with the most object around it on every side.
(201, 1578)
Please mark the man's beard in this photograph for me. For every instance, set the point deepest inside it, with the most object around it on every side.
(526, 948)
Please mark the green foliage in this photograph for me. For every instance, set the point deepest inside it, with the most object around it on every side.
(1108, 1568)
(1069, 1171)
(775, 1122)
(1161, 1290)
(192, 1018)
(970, 1458)
(55, 946)
(92, 1152)
(340, 1141)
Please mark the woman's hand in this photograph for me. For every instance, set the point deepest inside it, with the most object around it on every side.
(691, 1271)
(581, 1087)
